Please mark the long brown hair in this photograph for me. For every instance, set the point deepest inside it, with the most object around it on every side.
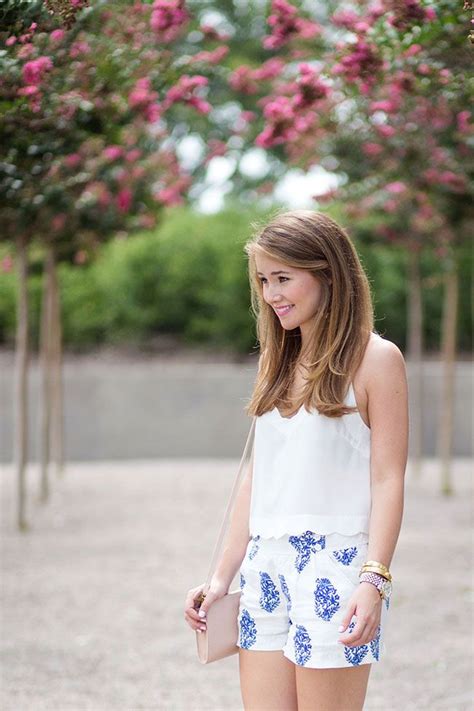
(310, 240)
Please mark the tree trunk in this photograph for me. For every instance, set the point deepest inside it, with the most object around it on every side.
(57, 434)
(46, 348)
(448, 349)
(415, 354)
(21, 378)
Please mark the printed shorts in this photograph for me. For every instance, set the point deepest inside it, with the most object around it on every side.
(295, 592)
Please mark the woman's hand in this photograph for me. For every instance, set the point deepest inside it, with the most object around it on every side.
(216, 590)
(366, 605)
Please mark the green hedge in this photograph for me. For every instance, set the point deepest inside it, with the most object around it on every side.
(189, 279)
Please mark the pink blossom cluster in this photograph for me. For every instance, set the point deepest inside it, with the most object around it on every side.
(283, 122)
(144, 98)
(167, 18)
(24, 38)
(213, 57)
(407, 13)
(215, 147)
(362, 62)
(33, 73)
(245, 80)
(447, 178)
(34, 70)
(350, 20)
(287, 117)
(172, 194)
(81, 48)
(310, 88)
(286, 25)
(211, 33)
(183, 91)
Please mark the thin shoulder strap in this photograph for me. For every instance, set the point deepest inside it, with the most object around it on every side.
(220, 540)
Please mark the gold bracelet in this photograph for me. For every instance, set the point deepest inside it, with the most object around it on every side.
(374, 569)
(378, 565)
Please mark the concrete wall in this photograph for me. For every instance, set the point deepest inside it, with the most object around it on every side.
(148, 408)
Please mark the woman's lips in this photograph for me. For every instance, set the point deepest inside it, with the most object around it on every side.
(283, 310)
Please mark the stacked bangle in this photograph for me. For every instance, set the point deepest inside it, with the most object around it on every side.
(373, 566)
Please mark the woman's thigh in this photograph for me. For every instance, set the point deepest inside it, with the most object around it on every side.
(336, 689)
(267, 681)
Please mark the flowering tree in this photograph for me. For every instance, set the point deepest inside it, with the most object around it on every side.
(88, 113)
(377, 93)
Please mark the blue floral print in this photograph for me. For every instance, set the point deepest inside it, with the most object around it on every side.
(248, 630)
(285, 591)
(355, 655)
(242, 581)
(303, 645)
(255, 547)
(270, 597)
(375, 644)
(326, 599)
(306, 544)
(345, 555)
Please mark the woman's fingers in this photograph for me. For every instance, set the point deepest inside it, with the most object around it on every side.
(195, 625)
(352, 639)
(191, 615)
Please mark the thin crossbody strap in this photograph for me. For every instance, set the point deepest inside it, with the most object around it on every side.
(220, 540)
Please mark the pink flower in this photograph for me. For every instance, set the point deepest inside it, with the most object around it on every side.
(72, 160)
(387, 106)
(372, 149)
(167, 196)
(345, 18)
(7, 264)
(124, 200)
(34, 70)
(183, 91)
(168, 18)
(113, 153)
(396, 187)
(286, 24)
(214, 57)
(242, 80)
(10, 41)
(462, 120)
(133, 155)
(413, 49)
(215, 148)
(28, 91)
(385, 131)
(424, 68)
(79, 49)
(57, 35)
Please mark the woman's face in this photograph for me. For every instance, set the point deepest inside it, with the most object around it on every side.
(294, 294)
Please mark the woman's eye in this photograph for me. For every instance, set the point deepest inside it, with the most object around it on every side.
(262, 279)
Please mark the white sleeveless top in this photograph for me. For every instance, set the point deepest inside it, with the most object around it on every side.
(310, 472)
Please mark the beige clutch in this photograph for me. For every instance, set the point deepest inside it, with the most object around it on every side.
(221, 635)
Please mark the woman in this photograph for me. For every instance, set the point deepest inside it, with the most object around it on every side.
(319, 511)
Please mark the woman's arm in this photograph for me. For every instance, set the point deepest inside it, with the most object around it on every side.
(387, 391)
(238, 535)
(388, 415)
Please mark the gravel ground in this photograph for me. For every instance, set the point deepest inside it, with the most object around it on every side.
(92, 595)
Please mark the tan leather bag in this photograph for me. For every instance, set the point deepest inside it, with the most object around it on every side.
(221, 636)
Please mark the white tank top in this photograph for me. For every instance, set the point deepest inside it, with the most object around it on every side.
(310, 472)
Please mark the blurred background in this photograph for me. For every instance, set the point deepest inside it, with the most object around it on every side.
(142, 144)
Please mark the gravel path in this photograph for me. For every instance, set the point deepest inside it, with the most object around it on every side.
(92, 595)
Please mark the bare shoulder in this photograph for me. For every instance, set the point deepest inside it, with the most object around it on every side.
(383, 363)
